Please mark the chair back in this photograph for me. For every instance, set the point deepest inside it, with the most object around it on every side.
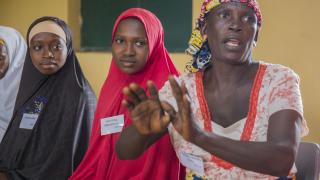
(308, 161)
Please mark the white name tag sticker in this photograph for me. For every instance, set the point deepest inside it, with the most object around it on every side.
(192, 162)
(28, 121)
(112, 124)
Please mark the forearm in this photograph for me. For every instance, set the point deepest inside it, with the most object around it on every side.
(132, 144)
(264, 157)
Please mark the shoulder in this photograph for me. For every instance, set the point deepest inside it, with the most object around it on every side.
(279, 69)
(186, 78)
(278, 72)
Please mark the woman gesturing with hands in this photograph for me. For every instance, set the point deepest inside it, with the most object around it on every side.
(228, 109)
(152, 116)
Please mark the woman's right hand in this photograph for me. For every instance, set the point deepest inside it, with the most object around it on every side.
(146, 112)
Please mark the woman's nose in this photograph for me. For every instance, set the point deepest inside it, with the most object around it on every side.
(48, 53)
(129, 50)
(235, 25)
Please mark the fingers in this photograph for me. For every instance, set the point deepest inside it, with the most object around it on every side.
(139, 92)
(146, 112)
(159, 122)
(184, 88)
(179, 93)
(169, 114)
(165, 120)
(181, 120)
(143, 110)
(140, 118)
(176, 90)
(153, 91)
(174, 117)
(185, 99)
(169, 110)
(186, 110)
(127, 104)
(147, 117)
(155, 122)
(131, 96)
(134, 93)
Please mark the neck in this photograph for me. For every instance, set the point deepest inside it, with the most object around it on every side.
(225, 75)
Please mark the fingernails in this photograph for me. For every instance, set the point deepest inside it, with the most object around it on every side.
(125, 90)
(132, 85)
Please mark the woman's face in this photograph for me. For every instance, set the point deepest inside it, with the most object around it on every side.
(130, 47)
(48, 52)
(231, 29)
(4, 60)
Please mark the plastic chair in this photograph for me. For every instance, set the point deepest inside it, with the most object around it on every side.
(308, 161)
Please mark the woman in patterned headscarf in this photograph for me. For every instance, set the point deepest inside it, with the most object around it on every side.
(231, 117)
(49, 131)
(12, 54)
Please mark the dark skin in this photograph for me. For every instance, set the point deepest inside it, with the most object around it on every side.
(130, 47)
(48, 52)
(226, 84)
(231, 30)
(4, 60)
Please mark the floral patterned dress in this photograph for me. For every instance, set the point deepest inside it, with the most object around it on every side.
(275, 88)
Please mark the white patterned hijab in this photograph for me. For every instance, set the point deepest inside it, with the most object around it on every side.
(9, 84)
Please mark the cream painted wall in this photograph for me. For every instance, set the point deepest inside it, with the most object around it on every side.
(289, 36)
(20, 13)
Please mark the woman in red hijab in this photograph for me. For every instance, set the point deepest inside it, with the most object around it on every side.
(138, 55)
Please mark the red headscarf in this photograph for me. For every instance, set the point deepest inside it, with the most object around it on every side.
(159, 161)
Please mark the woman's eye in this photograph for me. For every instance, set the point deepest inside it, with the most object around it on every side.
(223, 14)
(118, 41)
(248, 19)
(57, 46)
(140, 43)
(36, 47)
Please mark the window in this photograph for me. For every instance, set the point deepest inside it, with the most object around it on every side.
(98, 17)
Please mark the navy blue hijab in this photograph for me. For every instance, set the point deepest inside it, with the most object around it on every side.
(64, 103)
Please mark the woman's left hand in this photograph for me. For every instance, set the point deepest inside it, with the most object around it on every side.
(181, 120)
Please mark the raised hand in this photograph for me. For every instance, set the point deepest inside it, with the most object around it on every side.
(181, 120)
(146, 112)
